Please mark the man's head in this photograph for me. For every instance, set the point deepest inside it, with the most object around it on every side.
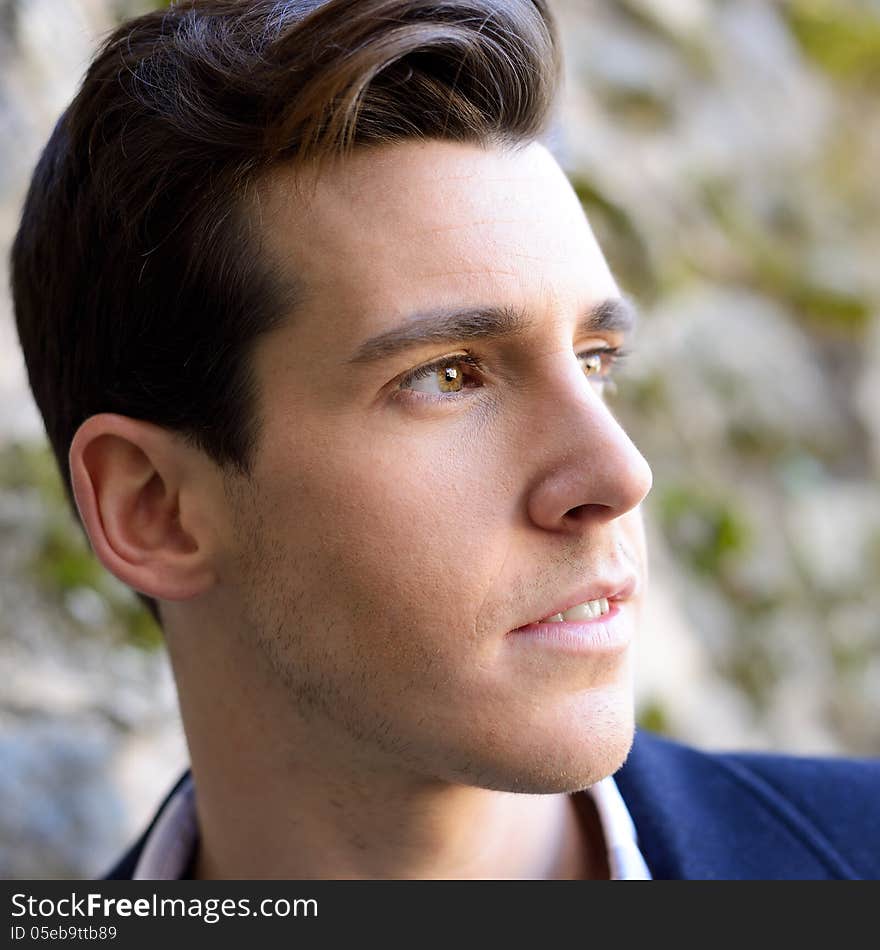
(244, 210)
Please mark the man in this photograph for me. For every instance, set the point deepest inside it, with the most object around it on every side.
(321, 336)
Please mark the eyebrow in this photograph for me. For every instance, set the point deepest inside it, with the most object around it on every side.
(613, 315)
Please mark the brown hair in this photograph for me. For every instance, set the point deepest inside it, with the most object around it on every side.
(136, 280)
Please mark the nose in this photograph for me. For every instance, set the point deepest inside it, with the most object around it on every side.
(591, 469)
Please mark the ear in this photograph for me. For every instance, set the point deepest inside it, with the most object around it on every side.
(144, 497)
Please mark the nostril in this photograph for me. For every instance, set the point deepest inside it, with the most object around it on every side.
(582, 512)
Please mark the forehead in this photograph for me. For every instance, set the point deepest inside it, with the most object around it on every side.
(425, 224)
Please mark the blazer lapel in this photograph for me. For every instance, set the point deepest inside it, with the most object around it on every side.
(704, 816)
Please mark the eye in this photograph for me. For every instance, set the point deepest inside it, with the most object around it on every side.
(600, 364)
(446, 378)
(447, 373)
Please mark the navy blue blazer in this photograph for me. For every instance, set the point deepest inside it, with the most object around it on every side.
(732, 816)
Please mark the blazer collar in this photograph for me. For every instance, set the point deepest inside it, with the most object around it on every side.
(701, 816)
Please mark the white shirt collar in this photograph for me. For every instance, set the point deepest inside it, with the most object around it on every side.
(169, 846)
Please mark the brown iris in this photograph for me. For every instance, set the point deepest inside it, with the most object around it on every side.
(593, 364)
(451, 379)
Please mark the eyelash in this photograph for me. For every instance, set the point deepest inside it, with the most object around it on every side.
(615, 354)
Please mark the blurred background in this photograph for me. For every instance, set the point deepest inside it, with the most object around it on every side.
(727, 155)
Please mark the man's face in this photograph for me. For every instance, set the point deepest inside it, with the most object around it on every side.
(396, 530)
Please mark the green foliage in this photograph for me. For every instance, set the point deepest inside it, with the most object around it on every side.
(753, 670)
(125, 9)
(31, 466)
(706, 531)
(843, 38)
(652, 715)
(687, 43)
(773, 259)
(639, 108)
(619, 238)
(829, 310)
(648, 394)
(63, 563)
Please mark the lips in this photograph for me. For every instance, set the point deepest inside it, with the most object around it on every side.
(613, 590)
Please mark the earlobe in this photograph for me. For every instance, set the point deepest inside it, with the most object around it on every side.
(127, 478)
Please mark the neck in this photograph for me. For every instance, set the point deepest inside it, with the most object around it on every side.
(280, 798)
(273, 827)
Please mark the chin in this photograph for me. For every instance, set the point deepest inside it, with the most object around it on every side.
(558, 757)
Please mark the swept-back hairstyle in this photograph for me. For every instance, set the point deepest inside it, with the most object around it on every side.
(137, 280)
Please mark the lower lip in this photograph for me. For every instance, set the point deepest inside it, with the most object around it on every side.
(606, 634)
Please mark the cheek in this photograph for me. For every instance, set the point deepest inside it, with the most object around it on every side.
(392, 537)
(632, 547)
(633, 530)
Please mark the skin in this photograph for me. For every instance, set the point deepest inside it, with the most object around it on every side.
(338, 622)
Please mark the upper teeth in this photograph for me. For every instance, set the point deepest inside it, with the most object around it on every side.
(588, 611)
